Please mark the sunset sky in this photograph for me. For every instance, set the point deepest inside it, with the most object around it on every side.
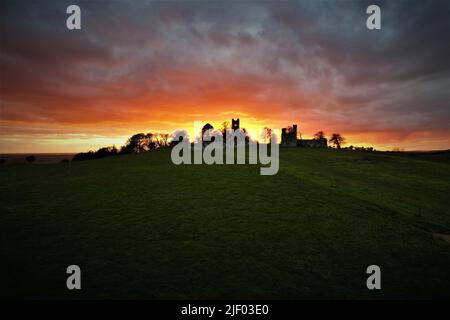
(146, 66)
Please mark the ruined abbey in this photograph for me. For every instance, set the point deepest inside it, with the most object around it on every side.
(289, 138)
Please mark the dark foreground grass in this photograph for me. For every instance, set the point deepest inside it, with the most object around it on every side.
(141, 227)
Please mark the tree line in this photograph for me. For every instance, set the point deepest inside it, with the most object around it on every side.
(142, 142)
(139, 142)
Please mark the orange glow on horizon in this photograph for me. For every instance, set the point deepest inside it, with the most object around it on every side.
(116, 133)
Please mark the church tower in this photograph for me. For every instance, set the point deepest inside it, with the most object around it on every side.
(235, 124)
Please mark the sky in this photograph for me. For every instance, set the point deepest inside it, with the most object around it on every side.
(158, 66)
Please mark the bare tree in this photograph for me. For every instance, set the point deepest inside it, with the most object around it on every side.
(337, 140)
(225, 126)
(268, 133)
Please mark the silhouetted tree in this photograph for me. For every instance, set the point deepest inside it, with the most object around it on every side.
(100, 153)
(224, 129)
(225, 126)
(138, 143)
(150, 141)
(165, 139)
(125, 150)
(337, 140)
(84, 156)
(205, 128)
(268, 134)
(161, 140)
(319, 135)
(30, 159)
(106, 152)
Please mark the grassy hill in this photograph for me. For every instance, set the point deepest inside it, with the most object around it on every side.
(141, 227)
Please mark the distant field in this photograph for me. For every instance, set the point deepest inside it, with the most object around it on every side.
(14, 158)
(141, 227)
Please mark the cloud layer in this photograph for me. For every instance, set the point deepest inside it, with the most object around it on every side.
(158, 66)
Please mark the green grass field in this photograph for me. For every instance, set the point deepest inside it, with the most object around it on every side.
(141, 227)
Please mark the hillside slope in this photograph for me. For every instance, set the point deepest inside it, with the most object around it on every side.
(141, 227)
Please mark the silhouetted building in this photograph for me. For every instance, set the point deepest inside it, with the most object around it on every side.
(289, 136)
(312, 143)
(289, 139)
(235, 124)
